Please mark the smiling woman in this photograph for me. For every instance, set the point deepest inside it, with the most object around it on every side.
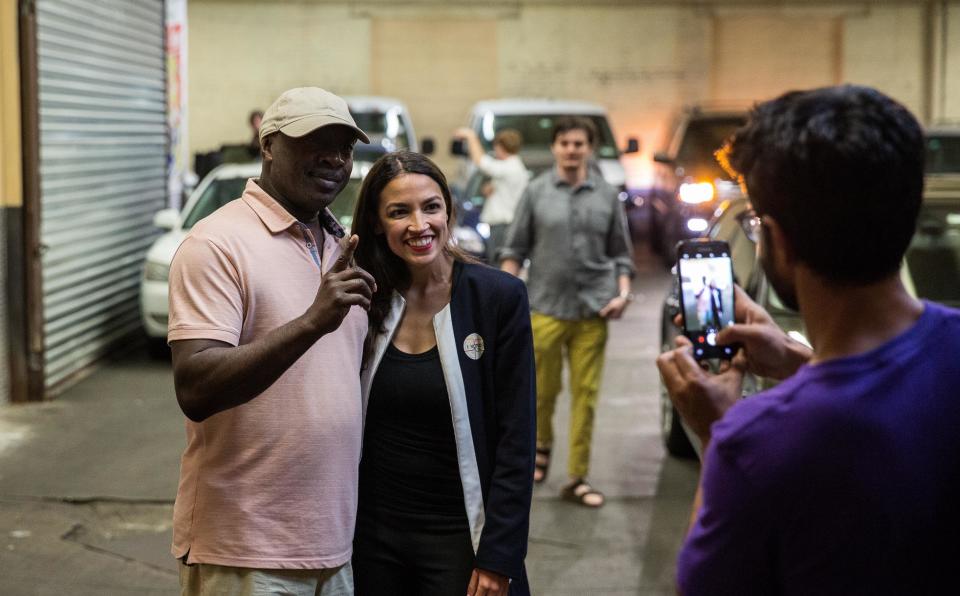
(399, 190)
(413, 219)
(449, 351)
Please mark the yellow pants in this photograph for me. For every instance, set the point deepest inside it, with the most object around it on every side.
(585, 341)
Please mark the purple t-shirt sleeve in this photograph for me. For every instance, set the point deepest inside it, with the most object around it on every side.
(728, 550)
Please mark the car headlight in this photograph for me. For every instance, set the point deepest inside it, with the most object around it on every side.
(694, 193)
(153, 271)
(469, 240)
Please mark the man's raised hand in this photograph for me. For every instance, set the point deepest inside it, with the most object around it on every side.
(343, 286)
(767, 350)
(701, 398)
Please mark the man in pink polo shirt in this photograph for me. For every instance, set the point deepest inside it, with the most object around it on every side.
(267, 321)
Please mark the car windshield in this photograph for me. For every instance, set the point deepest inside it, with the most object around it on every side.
(223, 190)
(943, 154)
(701, 140)
(372, 123)
(537, 131)
(382, 130)
(933, 258)
(219, 192)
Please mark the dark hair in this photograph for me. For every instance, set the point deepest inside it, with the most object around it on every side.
(835, 167)
(567, 123)
(254, 114)
(373, 254)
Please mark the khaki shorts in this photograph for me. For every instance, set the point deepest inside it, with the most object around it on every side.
(202, 579)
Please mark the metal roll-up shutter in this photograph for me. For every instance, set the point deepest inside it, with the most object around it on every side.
(102, 114)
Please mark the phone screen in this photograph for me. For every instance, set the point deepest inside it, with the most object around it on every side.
(706, 295)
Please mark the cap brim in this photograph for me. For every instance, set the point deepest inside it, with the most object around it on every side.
(308, 124)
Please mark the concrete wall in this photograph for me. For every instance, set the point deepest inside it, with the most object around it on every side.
(884, 47)
(243, 54)
(642, 60)
(461, 54)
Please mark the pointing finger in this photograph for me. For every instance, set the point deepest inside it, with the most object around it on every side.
(347, 247)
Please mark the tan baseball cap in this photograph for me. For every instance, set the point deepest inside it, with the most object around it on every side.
(302, 110)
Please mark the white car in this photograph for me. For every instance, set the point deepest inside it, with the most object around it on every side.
(222, 185)
(534, 119)
(388, 124)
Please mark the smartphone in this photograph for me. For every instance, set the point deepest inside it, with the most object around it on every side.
(705, 273)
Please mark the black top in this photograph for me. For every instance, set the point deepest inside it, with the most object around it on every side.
(500, 396)
(409, 464)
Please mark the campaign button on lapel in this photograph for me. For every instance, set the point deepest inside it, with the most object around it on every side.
(473, 346)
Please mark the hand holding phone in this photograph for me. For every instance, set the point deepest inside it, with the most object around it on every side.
(705, 273)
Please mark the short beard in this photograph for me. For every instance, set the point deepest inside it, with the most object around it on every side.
(785, 289)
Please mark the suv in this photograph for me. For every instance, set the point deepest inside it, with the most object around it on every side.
(534, 120)
(688, 181)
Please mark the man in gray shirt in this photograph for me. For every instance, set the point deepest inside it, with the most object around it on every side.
(571, 226)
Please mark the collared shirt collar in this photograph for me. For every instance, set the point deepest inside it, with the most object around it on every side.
(589, 182)
(275, 217)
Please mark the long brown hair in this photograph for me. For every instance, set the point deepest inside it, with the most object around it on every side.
(373, 254)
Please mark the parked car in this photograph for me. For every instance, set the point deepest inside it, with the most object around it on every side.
(688, 181)
(534, 119)
(388, 124)
(931, 270)
(224, 184)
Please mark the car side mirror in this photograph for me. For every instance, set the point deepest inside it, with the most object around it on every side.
(661, 157)
(167, 219)
(458, 147)
(427, 146)
(633, 146)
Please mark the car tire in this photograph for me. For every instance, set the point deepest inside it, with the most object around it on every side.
(675, 439)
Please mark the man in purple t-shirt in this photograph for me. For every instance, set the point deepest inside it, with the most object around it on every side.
(843, 479)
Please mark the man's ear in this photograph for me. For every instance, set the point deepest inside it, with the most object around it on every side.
(266, 148)
(783, 249)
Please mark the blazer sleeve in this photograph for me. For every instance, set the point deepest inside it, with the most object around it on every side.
(503, 543)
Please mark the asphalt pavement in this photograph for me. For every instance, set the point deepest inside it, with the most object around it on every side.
(87, 481)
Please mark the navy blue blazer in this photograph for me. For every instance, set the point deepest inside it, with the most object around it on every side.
(486, 351)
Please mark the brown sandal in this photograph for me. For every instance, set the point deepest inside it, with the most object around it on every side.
(579, 492)
(541, 465)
